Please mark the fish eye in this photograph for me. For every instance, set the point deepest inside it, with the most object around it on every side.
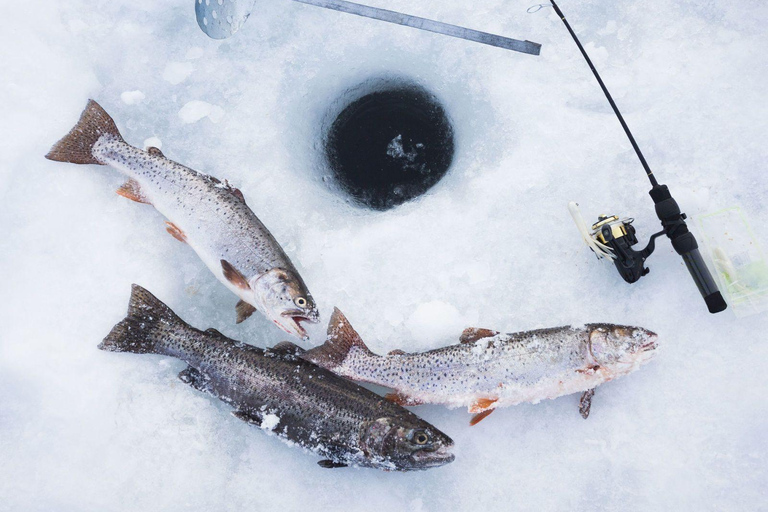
(300, 301)
(420, 437)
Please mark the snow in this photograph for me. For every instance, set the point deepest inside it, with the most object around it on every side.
(82, 429)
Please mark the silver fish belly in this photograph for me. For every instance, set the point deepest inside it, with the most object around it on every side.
(274, 389)
(209, 215)
(491, 370)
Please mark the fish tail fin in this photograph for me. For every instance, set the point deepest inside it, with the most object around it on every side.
(145, 326)
(77, 146)
(342, 338)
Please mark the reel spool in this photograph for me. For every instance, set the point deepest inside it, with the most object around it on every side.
(613, 238)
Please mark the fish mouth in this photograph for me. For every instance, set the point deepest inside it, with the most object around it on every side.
(291, 322)
(430, 459)
(651, 344)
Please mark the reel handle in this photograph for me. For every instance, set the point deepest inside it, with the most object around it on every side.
(686, 246)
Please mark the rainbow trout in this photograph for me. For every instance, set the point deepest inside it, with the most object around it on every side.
(298, 401)
(209, 215)
(488, 369)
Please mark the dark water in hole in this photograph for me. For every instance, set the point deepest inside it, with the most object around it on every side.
(390, 146)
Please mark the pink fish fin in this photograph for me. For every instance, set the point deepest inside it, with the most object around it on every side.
(175, 231)
(481, 404)
(477, 418)
(132, 190)
(340, 340)
(234, 276)
(152, 150)
(397, 352)
(77, 146)
(402, 399)
(244, 310)
(472, 334)
(585, 402)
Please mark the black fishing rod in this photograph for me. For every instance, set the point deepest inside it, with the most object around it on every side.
(619, 235)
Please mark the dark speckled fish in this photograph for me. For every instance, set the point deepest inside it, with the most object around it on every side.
(298, 401)
(488, 369)
(209, 215)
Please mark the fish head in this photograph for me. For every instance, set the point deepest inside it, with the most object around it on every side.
(285, 300)
(405, 444)
(612, 345)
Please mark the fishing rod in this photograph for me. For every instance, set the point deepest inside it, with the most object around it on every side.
(613, 238)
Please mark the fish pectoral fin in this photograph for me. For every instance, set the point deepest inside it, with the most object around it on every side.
(175, 231)
(402, 399)
(330, 464)
(195, 378)
(248, 416)
(287, 348)
(477, 418)
(132, 190)
(397, 352)
(481, 404)
(244, 310)
(472, 334)
(589, 371)
(152, 150)
(234, 276)
(585, 402)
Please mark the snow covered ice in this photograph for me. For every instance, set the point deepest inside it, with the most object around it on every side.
(491, 245)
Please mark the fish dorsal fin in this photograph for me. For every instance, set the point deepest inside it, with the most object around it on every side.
(472, 334)
(287, 348)
(152, 150)
(234, 276)
(244, 310)
(214, 332)
(236, 192)
(397, 352)
(132, 190)
(341, 339)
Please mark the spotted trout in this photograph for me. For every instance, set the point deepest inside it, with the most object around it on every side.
(488, 369)
(209, 215)
(298, 401)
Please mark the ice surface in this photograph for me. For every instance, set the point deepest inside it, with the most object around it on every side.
(82, 429)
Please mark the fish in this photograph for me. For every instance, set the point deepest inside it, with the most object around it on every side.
(294, 399)
(209, 215)
(487, 369)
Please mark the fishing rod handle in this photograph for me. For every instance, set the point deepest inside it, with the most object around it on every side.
(686, 246)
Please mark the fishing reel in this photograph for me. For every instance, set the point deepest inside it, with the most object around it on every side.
(613, 238)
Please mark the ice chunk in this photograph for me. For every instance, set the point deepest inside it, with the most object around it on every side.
(132, 97)
(196, 110)
(177, 72)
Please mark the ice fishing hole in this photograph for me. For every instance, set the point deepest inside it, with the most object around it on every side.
(390, 145)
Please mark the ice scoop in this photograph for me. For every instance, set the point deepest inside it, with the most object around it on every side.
(222, 18)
